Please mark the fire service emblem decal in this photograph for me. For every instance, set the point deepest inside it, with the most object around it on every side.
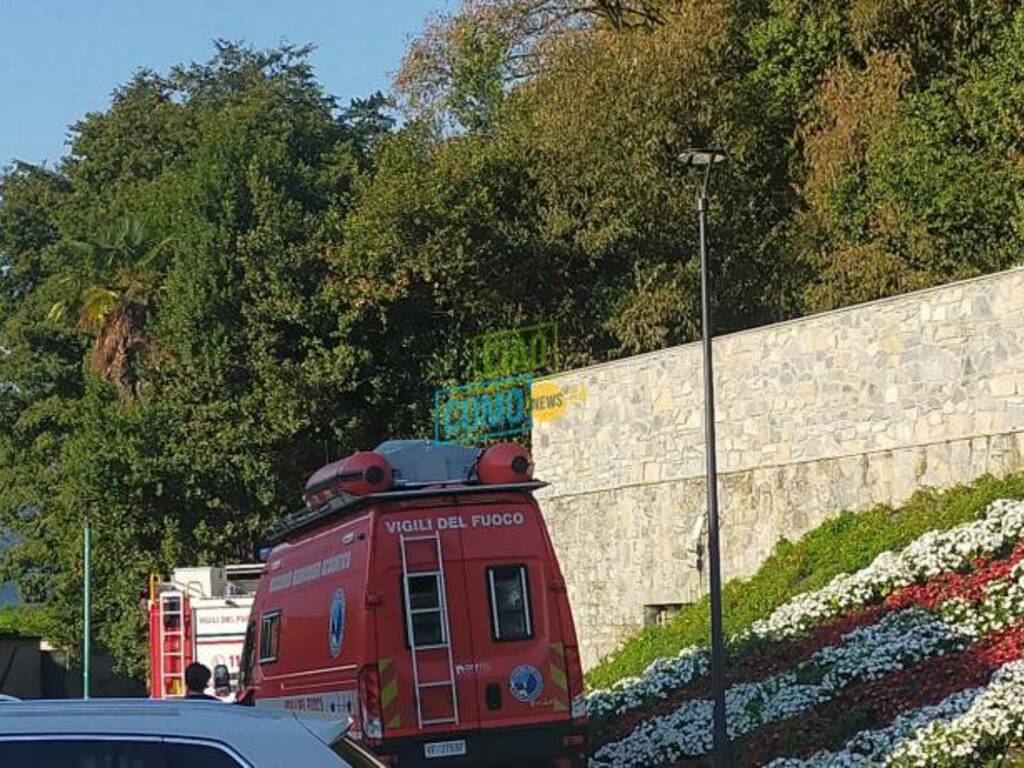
(525, 684)
(336, 623)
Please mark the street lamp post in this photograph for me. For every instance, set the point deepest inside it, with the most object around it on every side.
(87, 609)
(703, 159)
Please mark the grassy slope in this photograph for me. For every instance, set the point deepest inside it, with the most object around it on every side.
(841, 545)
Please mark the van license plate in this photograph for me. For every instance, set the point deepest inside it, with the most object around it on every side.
(445, 748)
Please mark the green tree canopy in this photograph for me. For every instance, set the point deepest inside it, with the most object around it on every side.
(175, 357)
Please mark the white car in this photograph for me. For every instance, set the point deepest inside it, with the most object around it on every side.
(139, 733)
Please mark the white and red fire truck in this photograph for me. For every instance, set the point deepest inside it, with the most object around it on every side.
(199, 615)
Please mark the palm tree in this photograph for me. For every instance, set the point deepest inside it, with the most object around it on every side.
(111, 289)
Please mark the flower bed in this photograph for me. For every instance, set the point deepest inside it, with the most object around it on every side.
(929, 556)
(940, 602)
(962, 730)
(873, 705)
(755, 660)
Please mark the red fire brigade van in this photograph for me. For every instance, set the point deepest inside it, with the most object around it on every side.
(420, 595)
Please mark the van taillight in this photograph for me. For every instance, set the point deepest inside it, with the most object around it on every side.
(574, 673)
(369, 703)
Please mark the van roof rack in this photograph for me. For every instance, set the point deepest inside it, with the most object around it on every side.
(423, 462)
(345, 504)
(421, 468)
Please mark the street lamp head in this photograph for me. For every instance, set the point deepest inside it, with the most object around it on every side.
(703, 156)
(699, 162)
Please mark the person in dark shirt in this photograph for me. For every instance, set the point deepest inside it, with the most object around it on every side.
(197, 676)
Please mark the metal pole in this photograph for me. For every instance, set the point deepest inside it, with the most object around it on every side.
(722, 757)
(86, 643)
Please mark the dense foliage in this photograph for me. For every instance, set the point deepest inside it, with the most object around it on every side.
(175, 329)
(231, 278)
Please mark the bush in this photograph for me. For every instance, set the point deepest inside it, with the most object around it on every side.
(23, 621)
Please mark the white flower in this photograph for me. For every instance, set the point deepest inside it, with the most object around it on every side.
(951, 733)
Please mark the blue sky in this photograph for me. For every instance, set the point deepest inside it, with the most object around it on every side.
(62, 58)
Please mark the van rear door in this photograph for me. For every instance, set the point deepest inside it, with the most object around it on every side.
(516, 625)
(423, 629)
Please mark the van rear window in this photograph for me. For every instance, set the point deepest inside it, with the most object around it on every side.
(510, 603)
(270, 636)
(426, 607)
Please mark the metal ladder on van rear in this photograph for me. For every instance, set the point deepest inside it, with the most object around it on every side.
(446, 638)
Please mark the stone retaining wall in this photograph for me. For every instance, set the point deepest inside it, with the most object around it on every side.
(839, 410)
